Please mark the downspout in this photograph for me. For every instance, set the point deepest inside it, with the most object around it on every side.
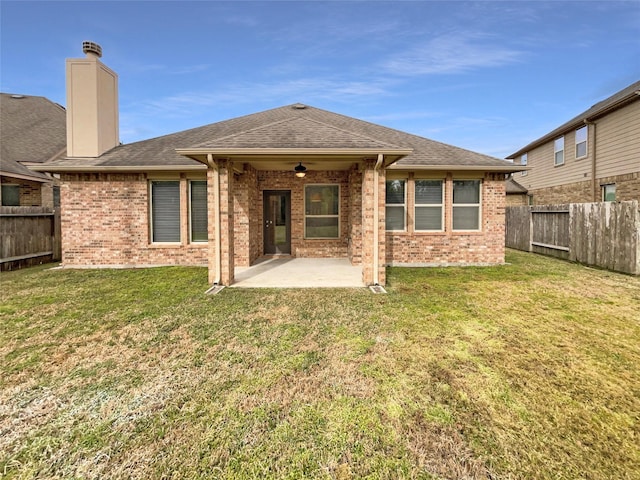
(594, 185)
(376, 219)
(217, 239)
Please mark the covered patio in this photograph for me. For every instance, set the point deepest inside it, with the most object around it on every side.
(291, 272)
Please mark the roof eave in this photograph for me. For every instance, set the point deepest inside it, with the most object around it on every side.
(116, 168)
(577, 122)
(471, 168)
(25, 177)
(200, 153)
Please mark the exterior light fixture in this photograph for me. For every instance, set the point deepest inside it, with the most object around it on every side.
(300, 170)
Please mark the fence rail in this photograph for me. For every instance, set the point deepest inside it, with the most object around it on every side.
(28, 236)
(605, 234)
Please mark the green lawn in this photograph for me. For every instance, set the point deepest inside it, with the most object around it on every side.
(525, 371)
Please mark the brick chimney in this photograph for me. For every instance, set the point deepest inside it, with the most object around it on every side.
(92, 104)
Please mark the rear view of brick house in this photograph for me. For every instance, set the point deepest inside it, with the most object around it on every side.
(295, 180)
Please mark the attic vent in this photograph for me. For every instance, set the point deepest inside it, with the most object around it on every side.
(17, 96)
(90, 47)
(299, 106)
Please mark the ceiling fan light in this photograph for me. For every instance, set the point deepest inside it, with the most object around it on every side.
(300, 170)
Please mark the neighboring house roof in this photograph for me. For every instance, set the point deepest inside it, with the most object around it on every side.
(294, 127)
(512, 187)
(32, 130)
(608, 105)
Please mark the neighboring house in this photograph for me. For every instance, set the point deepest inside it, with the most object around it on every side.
(32, 132)
(295, 180)
(593, 157)
(516, 193)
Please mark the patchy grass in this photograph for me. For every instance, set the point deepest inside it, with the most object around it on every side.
(523, 371)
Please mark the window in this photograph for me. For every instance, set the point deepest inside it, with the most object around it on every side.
(466, 204)
(428, 204)
(322, 211)
(581, 142)
(558, 151)
(198, 211)
(165, 211)
(530, 199)
(523, 161)
(395, 205)
(10, 195)
(609, 193)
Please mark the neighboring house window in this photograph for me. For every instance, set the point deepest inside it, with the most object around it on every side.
(581, 142)
(429, 198)
(10, 195)
(523, 161)
(198, 211)
(609, 193)
(395, 205)
(322, 211)
(558, 151)
(56, 196)
(530, 199)
(466, 204)
(165, 211)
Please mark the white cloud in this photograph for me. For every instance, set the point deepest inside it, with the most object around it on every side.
(451, 53)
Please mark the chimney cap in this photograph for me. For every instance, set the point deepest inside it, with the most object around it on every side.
(92, 48)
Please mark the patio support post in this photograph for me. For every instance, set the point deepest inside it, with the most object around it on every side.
(213, 220)
(227, 263)
(373, 233)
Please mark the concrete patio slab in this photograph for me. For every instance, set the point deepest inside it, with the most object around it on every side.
(289, 272)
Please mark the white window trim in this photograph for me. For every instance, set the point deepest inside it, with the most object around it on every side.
(555, 152)
(190, 216)
(403, 204)
(585, 141)
(479, 205)
(151, 241)
(524, 161)
(418, 205)
(321, 216)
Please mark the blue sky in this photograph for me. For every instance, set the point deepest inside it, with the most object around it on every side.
(486, 76)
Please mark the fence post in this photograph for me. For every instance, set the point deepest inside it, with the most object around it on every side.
(530, 209)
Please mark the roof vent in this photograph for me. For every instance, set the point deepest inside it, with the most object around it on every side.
(17, 96)
(299, 106)
(92, 48)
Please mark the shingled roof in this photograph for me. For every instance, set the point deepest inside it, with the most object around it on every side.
(608, 105)
(295, 127)
(32, 130)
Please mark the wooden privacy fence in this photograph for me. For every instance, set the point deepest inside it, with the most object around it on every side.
(605, 234)
(28, 236)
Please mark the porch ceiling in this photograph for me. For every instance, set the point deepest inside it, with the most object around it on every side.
(287, 158)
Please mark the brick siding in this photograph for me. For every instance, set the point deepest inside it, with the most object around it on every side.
(627, 188)
(300, 246)
(105, 222)
(485, 247)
